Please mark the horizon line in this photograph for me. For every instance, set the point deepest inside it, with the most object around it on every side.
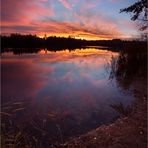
(69, 36)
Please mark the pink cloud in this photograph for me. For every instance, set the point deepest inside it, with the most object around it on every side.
(88, 5)
(98, 24)
(24, 11)
(66, 4)
(128, 24)
(83, 27)
(37, 17)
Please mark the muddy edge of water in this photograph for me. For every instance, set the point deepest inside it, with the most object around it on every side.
(129, 131)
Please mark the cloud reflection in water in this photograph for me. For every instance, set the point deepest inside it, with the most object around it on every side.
(72, 85)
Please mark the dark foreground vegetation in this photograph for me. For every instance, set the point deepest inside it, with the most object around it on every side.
(60, 43)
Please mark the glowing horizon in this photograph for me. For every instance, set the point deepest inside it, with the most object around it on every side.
(80, 19)
(75, 36)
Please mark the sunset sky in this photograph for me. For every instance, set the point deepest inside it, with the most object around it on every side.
(85, 19)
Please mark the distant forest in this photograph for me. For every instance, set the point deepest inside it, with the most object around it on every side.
(57, 43)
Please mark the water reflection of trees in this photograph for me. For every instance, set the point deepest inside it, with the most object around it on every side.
(20, 51)
(131, 64)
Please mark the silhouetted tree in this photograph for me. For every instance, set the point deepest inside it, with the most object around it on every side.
(139, 10)
(57, 43)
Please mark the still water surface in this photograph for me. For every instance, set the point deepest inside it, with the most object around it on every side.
(54, 96)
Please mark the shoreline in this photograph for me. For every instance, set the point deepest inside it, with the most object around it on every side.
(125, 132)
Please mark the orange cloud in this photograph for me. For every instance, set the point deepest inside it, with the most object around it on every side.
(37, 17)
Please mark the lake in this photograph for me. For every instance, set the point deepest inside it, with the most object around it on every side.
(49, 97)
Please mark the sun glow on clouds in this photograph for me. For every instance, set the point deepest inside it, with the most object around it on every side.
(75, 18)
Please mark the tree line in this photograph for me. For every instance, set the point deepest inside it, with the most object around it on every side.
(56, 43)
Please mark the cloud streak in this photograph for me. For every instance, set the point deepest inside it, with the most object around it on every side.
(24, 10)
(84, 19)
(66, 4)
